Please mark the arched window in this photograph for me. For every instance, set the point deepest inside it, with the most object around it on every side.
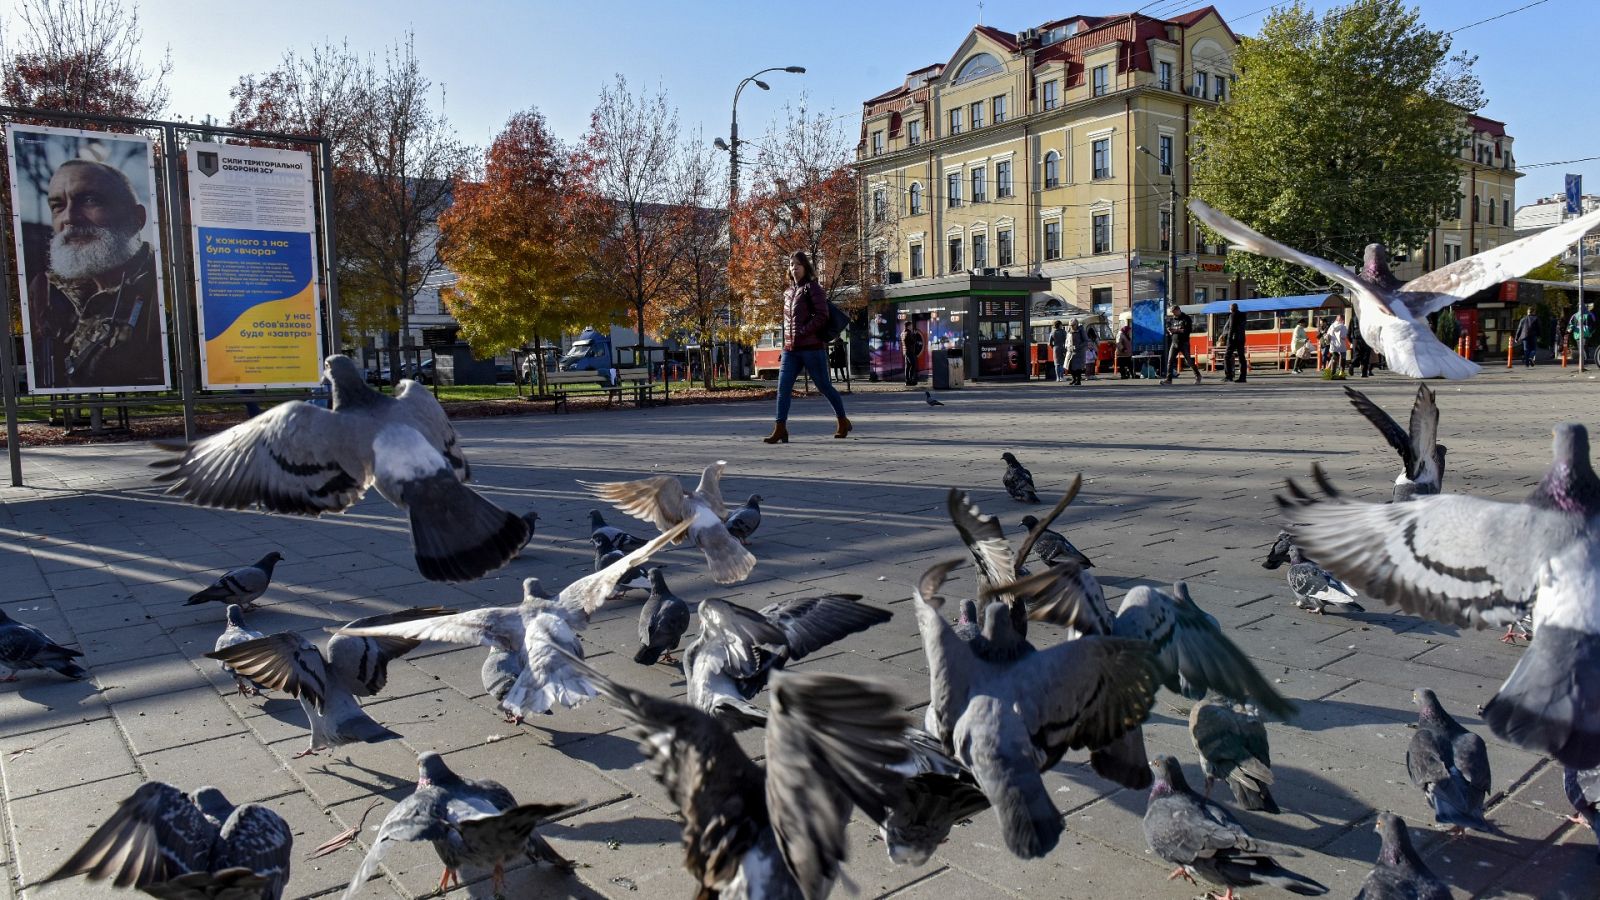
(1052, 169)
(916, 199)
(977, 66)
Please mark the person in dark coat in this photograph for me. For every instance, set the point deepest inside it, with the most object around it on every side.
(1527, 337)
(1235, 346)
(805, 320)
(1125, 352)
(911, 344)
(1360, 350)
(1077, 352)
(1179, 326)
(1058, 349)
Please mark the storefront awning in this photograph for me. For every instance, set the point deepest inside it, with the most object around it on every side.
(1266, 304)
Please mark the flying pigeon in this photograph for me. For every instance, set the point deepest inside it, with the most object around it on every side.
(662, 500)
(26, 647)
(1400, 873)
(236, 633)
(533, 635)
(1018, 480)
(1464, 561)
(1451, 766)
(1583, 792)
(738, 649)
(939, 792)
(928, 397)
(832, 744)
(662, 622)
(1314, 588)
(302, 459)
(243, 585)
(1394, 316)
(171, 844)
(1053, 545)
(327, 682)
(743, 522)
(1202, 838)
(616, 537)
(1232, 744)
(1421, 454)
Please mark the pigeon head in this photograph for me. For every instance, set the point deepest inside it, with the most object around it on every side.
(658, 582)
(969, 612)
(1169, 776)
(235, 615)
(213, 805)
(755, 500)
(1396, 840)
(1279, 554)
(533, 590)
(1008, 457)
(431, 769)
(349, 388)
(1571, 484)
(270, 560)
(1428, 706)
(530, 517)
(595, 519)
(1375, 265)
(1029, 522)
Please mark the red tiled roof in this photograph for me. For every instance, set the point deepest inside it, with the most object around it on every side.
(1194, 16)
(1486, 125)
(1003, 38)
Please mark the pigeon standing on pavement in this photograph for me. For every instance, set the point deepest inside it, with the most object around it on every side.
(236, 633)
(1394, 316)
(171, 844)
(662, 622)
(1313, 586)
(1583, 792)
(1421, 454)
(1450, 764)
(470, 822)
(26, 647)
(743, 522)
(305, 460)
(616, 537)
(928, 396)
(243, 585)
(1018, 480)
(1232, 744)
(1399, 873)
(662, 500)
(1468, 561)
(1051, 546)
(1202, 838)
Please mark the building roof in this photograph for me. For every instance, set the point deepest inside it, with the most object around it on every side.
(1486, 125)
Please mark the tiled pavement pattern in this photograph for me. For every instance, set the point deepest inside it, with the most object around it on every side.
(1178, 484)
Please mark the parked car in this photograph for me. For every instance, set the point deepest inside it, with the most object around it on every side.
(380, 376)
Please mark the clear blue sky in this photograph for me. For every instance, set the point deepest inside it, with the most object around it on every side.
(495, 58)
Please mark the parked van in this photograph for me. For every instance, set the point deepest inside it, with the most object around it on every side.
(591, 351)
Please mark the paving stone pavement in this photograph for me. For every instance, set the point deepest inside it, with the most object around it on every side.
(1178, 484)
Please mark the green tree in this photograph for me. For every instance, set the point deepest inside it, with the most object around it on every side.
(1342, 130)
(1446, 328)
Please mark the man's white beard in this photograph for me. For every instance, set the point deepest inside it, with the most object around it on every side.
(109, 249)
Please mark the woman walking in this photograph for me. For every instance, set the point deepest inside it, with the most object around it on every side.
(1077, 352)
(911, 348)
(805, 318)
(1299, 346)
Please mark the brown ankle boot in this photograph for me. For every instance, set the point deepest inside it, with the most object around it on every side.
(780, 434)
(844, 428)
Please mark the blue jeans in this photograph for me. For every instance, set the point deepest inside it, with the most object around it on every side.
(815, 362)
(1529, 348)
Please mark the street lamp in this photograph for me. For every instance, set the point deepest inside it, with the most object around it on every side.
(731, 145)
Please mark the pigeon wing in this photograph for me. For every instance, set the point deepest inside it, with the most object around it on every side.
(154, 835)
(284, 662)
(494, 626)
(1076, 602)
(361, 662)
(1397, 437)
(984, 539)
(1461, 279)
(1424, 433)
(590, 592)
(659, 500)
(1246, 238)
(811, 623)
(258, 839)
(949, 658)
(1085, 693)
(417, 406)
(751, 639)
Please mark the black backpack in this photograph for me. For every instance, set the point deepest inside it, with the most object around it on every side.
(838, 320)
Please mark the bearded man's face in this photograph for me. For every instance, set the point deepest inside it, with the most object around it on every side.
(97, 222)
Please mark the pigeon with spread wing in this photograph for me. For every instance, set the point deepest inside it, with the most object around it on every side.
(1421, 454)
(663, 501)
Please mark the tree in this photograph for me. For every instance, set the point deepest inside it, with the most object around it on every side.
(696, 304)
(80, 56)
(1341, 131)
(1446, 328)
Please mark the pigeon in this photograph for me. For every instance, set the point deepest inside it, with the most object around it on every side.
(1400, 873)
(327, 682)
(1421, 454)
(533, 635)
(1451, 766)
(738, 649)
(469, 822)
(1202, 838)
(633, 578)
(1314, 588)
(1053, 545)
(236, 633)
(1007, 711)
(532, 518)
(832, 744)
(743, 522)
(499, 674)
(1018, 480)
(171, 844)
(26, 647)
(1232, 744)
(928, 397)
(1583, 792)
(243, 585)
(616, 537)
(662, 622)
(939, 792)
(305, 460)
(1453, 558)
(1394, 316)
(661, 500)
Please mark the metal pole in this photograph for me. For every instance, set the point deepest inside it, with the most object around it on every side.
(8, 370)
(330, 252)
(177, 242)
(733, 201)
(1172, 248)
(1581, 319)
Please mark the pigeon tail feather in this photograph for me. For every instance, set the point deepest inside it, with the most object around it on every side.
(648, 655)
(457, 534)
(214, 593)
(1551, 702)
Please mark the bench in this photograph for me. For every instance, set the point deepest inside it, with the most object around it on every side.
(637, 382)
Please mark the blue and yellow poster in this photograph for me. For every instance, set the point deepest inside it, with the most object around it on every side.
(255, 266)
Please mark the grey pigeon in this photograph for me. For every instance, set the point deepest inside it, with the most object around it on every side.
(616, 537)
(1232, 744)
(928, 397)
(743, 522)
(1421, 454)
(302, 459)
(662, 622)
(1201, 838)
(243, 585)
(832, 744)
(533, 634)
(1450, 764)
(662, 500)
(939, 792)
(236, 633)
(26, 647)
(1018, 480)
(469, 822)
(1464, 561)
(738, 649)
(1399, 873)
(1583, 792)
(499, 674)
(1053, 545)
(327, 682)
(1313, 586)
(1394, 316)
(171, 844)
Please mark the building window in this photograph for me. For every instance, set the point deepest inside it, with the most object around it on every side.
(916, 260)
(877, 143)
(980, 186)
(880, 265)
(1219, 88)
(980, 252)
(1052, 169)
(915, 202)
(880, 205)
(1455, 211)
(955, 120)
(1100, 301)
(1002, 178)
(998, 104)
(1491, 211)
(1164, 75)
(1199, 295)
(913, 133)
(952, 185)
(1102, 232)
(1477, 206)
(1003, 247)
(1102, 158)
(1052, 240)
(977, 114)
(977, 66)
(1164, 225)
(1505, 211)
(1047, 95)
(1222, 293)
(1102, 80)
(1165, 153)
(1199, 89)
(956, 264)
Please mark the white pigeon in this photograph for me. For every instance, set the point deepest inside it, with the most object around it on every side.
(663, 501)
(1394, 316)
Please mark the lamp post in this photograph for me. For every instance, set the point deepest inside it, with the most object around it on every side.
(732, 146)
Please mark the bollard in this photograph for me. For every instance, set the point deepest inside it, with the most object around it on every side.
(1508, 353)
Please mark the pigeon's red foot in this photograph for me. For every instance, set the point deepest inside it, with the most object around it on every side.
(11, 677)
(668, 660)
(448, 876)
(309, 751)
(1182, 872)
(499, 879)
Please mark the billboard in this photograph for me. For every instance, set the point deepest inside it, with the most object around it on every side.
(88, 260)
(255, 266)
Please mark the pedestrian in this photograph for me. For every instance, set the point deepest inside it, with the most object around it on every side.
(1235, 349)
(805, 318)
(1527, 337)
(1125, 352)
(1299, 347)
(1338, 346)
(911, 343)
(1361, 351)
(839, 359)
(1058, 349)
(1179, 326)
(1091, 362)
(1322, 342)
(1077, 352)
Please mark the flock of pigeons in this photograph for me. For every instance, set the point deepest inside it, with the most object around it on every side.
(1002, 710)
